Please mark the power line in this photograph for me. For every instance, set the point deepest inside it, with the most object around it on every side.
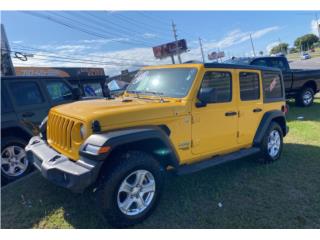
(75, 27)
(123, 28)
(72, 60)
(141, 24)
(102, 29)
(23, 47)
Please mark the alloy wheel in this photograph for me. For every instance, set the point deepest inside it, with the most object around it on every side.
(13, 161)
(136, 192)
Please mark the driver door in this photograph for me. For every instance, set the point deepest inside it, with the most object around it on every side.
(214, 128)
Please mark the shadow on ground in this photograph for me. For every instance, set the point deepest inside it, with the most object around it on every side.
(241, 194)
(311, 113)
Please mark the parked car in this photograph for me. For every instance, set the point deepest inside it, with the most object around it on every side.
(305, 56)
(300, 84)
(25, 102)
(181, 118)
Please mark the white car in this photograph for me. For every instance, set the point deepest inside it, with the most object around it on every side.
(305, 56)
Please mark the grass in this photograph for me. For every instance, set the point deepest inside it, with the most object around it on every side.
(284, 194)
(297, 56)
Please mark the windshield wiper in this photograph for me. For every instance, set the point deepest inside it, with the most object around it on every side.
(158, 94)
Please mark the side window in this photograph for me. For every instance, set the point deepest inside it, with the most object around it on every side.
(59, 91)
(260, 62)
(249, 86)
(92, 89)
(6, 105)
(277, 63)
(272, 86)
(26, 93)
(218, 84)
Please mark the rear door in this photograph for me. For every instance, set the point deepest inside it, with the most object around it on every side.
(280, 63)
(250, 105)
(58, 91)
(29, 102)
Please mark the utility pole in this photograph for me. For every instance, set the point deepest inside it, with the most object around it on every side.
(254, 52)
(174, 30)
(201, 48)
(279, 40)
(318, 26)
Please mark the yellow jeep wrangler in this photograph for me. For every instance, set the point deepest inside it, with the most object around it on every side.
(181, 118)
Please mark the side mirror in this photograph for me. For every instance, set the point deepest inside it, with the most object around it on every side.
(76, 93)
(205, 96)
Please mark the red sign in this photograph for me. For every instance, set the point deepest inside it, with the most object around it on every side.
(215, 55)
(170, 49)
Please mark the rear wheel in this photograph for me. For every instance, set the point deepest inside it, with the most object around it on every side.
(272, 143)
(305, 97)
(14, 163)
(130, 189)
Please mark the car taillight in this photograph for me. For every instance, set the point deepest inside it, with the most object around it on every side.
(285, 109)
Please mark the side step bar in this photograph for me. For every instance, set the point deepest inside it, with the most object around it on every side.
(191, 168)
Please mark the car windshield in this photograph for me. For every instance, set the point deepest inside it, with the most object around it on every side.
(169, 82)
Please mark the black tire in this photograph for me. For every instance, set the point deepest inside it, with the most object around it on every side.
(124, 165)
(304, 93)
(266, 156)
(13, 141)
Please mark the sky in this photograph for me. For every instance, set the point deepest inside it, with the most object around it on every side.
(118, 40)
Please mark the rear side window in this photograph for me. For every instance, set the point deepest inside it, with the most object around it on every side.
(260, 62)
(26, 93)
(59, 91)
(6, 105)
(277, 63)
(272, 86)
(219, 83)
(249, 86)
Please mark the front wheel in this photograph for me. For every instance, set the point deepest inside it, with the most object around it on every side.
(129, 191)
(272, 143)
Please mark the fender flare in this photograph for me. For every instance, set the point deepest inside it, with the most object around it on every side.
(117, 138)
(265, 122)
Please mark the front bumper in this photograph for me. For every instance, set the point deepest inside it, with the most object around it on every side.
(57, 168)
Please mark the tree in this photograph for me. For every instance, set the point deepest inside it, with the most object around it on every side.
(280, 48)
(305, 42)
(261, 53)
(293, 50)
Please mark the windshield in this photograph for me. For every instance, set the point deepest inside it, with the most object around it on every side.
(170, 82)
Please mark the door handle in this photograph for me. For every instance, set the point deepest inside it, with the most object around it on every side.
(257, 110)
(228, 114)
(27, 114)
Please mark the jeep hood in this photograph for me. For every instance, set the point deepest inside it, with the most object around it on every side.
(121, 111)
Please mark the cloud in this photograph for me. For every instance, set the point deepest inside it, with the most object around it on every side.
(90, 50)
(314, 27)
(237, 36)
(149, 35)
(271, 45)
(17, 41)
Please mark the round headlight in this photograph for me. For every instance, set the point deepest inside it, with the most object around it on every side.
(83, 131)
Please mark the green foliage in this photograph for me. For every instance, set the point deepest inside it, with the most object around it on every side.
(280, 48)
(293, 50)
(316, 45)
(306, 41)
